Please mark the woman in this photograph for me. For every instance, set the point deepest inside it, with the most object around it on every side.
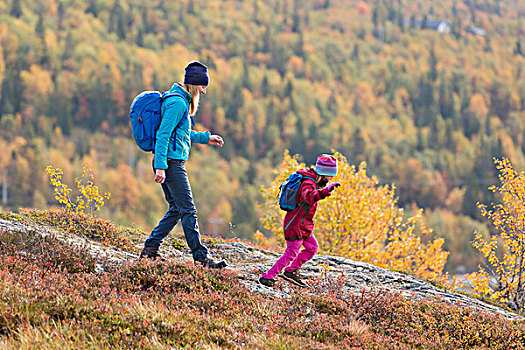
(172, 148)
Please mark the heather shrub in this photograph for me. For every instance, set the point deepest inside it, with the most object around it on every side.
(147, 303)
(50, 251)
(161, 305)
(425, 323)
(169, 278)
(184, 307)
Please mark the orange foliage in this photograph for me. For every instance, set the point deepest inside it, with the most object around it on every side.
(478, 105)
(124, 186)
(363, 8)
(365, 94)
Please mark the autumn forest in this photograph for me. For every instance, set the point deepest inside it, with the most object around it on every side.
(424, 93)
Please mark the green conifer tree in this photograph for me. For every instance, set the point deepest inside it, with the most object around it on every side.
(16, 9)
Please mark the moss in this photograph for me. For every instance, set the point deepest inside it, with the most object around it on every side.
(178, 244)
(84, 225)
(10, 216)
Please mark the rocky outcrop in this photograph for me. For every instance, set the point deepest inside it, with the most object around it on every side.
(357, 276)
(249, 262)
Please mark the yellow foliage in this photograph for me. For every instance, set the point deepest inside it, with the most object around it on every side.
(504, 252)
(89, 197)
(360, 220)
(365, 93)
(37, 81)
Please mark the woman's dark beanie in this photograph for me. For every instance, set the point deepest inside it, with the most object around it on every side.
(196, 74)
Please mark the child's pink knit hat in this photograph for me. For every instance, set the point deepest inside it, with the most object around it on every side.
(326, 165)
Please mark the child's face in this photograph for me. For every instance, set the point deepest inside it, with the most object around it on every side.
(323, 180)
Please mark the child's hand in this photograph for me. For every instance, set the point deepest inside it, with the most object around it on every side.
(333, 185)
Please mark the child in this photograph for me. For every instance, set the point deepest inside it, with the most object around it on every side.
(298, 223)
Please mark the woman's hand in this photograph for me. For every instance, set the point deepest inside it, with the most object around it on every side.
(216, 140)
(160, 176)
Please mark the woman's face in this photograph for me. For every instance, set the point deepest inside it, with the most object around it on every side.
(202, 89)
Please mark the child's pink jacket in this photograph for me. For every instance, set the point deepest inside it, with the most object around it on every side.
(299, 223)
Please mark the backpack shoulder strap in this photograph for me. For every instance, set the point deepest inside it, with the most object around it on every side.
(167, 94)
(310, 178)
(164, 95)
(304, 204)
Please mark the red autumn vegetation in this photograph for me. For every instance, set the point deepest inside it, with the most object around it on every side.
(53, 296)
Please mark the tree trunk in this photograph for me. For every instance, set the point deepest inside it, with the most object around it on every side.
(4, 188)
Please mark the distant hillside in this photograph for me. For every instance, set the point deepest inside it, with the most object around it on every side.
(426, 109)
(73, 281)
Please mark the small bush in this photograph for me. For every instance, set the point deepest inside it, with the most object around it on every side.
(504, 251)
(89, 199)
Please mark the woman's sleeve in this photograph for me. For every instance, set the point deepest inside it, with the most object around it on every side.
(200, 136)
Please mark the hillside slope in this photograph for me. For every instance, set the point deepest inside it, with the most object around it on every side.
(78, 284)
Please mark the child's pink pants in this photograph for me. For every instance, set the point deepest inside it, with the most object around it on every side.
(292, 253)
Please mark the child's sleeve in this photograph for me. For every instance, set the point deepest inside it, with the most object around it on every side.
(310, 194)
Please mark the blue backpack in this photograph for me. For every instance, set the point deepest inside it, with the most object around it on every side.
(145, 117)
(289, 190)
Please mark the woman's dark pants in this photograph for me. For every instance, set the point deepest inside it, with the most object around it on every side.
(177, 191)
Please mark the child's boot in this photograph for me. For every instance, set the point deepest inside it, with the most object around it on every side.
(268, 282)
(294, 277)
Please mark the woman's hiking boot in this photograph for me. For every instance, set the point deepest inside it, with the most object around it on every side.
(294, 277)
(268, 282)
(210, 263)
(150, 252)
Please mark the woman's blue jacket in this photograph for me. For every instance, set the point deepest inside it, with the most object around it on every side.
(174, 127)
